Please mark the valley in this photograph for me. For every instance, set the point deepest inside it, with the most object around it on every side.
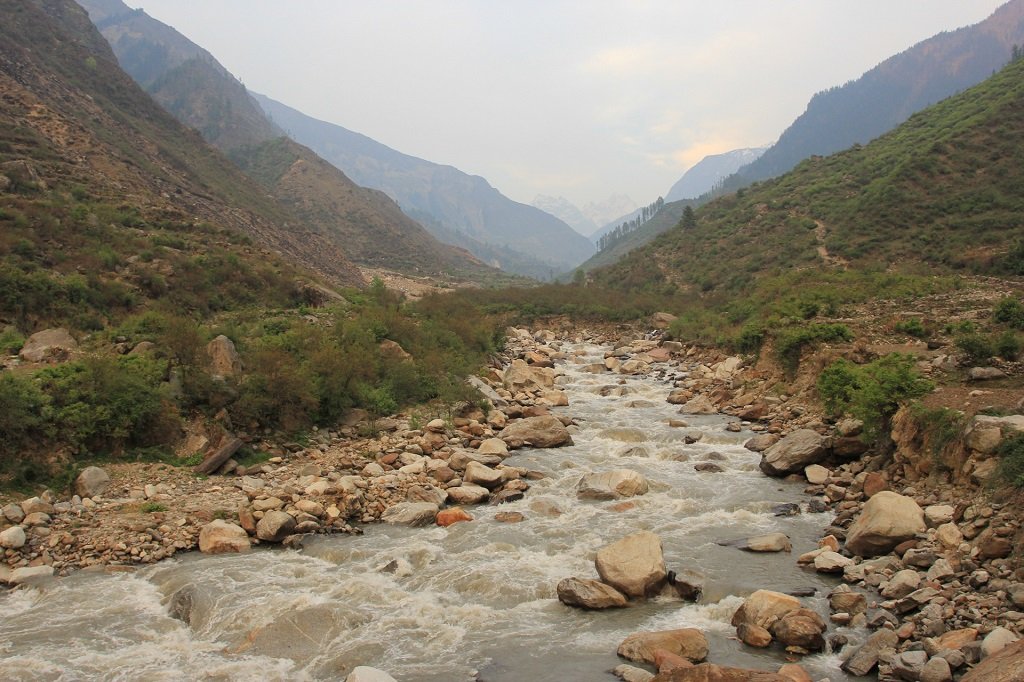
(278, 401)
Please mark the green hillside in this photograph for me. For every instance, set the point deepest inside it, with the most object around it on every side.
(941, 194)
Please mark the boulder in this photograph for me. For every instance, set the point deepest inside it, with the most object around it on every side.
(936, 670)
(802, 628)
(686, 642)
(763, 608)
(611, 485)
(831, 562)
(589, 594)
(901, 584)
(467, 494)
(985, 373)
(754, 635)
(12, 538)
(363, 673)
(447, 517)
(996, 641)
(92, 482)
(224, 359)
(630, 673)
(633, 565)
(482, 475)
(49, 345)
(29, 573)
(275, 526)
(886, 520)
(520, 375)
(222, 537)
(493, 446)
(816, 474)
(761, 442)
(540, 432)
(411, 513)
(699, 405)
(794, 452)
(662, 320)
(864, 658)
(772, 542)
(1005, 666)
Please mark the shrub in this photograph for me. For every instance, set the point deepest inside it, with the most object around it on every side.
(1009, 311)
(912, 327)
(1011, 460)
(976, 347)
(871, 392)
(790, 343)
(1008, 345)
(940, 426)
(105, 405)
(21, 415)
(11, 341)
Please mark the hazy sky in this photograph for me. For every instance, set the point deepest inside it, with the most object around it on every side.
(583, 99)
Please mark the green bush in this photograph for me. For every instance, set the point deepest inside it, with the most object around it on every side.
(871, 392)
(1011, 460)
(1008, 345)
(912, 327)
(1009, 311)
(103, 405)
(976, 347)
(790, 343)
(21, 415)
(941, 426)
(11, 341)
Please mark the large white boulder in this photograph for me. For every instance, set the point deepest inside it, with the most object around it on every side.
(612, 485)
(886, 520)
(633, 565)
(793, 453)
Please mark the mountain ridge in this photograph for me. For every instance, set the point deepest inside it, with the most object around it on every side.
(458, 201)
(886, 95)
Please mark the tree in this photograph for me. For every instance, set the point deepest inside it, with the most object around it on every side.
(689, 220)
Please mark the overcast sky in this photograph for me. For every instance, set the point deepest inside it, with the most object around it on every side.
(583, 98)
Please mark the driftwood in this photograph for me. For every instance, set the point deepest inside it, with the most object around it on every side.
(215, 459)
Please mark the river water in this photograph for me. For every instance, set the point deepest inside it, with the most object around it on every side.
(472, 601)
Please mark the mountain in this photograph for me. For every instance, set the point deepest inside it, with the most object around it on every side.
(664, 220)
(187, 81)
(72, 119)
(888, 94)
(939, 194)
(461, 204)
(567, 212)
(710, 171)
(605, 212)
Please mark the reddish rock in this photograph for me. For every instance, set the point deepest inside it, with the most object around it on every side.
(666, 661)
(754, 635)
(686, 642)
(447, 517)
(1006, 665)
(874, 483)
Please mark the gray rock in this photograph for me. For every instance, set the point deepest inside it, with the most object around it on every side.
(29, 573)
(92, 482)
(15, 514)
(633, 565)
(589, 594)
(540, 432)
(611, 485)
(12, 538)
(224, 359)
(631, 673)
(794, 452)
(482, 475)
(936, 670)
(222, 537)
(761, 442)
(275, 526)
(411, 514)
(886, 520)
(864, 658)
(48, 345)
(985, 373)
(467, 494)
(996, 641)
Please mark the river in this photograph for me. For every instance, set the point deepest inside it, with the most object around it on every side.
(472, 601)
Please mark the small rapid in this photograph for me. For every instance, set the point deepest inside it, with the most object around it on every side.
(472, 601)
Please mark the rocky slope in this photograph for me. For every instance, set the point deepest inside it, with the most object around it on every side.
(72, 118)
(189, 82)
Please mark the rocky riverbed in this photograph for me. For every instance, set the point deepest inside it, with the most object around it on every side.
(925, 568)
